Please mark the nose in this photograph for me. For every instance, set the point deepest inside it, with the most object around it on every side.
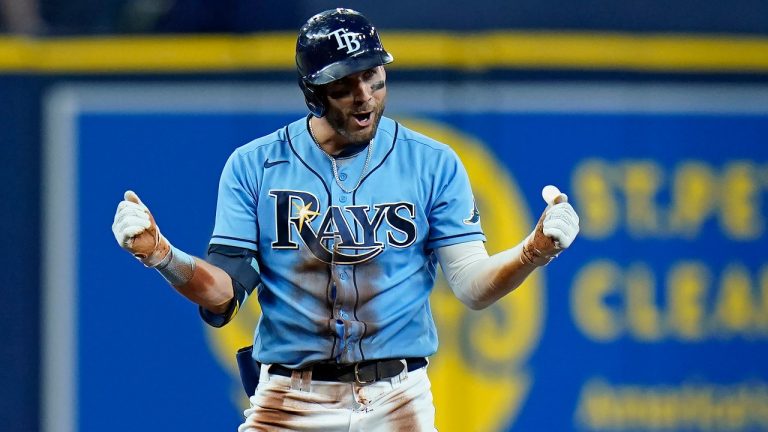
(363, 92)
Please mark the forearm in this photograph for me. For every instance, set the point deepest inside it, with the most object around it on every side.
(479, 280)
(199, 281)
(209, 287)
(499, 275)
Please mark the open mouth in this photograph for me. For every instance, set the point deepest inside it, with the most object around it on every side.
(363, 119)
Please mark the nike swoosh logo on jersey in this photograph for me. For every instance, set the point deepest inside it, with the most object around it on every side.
(268, 164)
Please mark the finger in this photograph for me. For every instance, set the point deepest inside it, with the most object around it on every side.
(563, 208)
(561, 231)
(130, 210)
(132, 226)
(133, 230)
(125, 240)
(122, 217)
(559, 223)
(133, 220)
(552, 195)
(559, 234)
(129, 204)
(132, 197)
(572, 214)
(549, 193)
(123, 236)
(561, 217)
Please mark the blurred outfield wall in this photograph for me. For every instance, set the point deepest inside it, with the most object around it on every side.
(656, 320)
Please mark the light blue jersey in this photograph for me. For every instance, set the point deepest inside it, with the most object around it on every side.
(346, 276)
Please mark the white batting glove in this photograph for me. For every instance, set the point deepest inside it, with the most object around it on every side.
(136, 231)
(555, 231)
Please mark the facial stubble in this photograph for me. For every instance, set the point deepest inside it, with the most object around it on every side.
(338, 122)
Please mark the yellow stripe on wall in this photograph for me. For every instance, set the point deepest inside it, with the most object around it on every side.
(412, 50)
(667, 53)
(148, 54)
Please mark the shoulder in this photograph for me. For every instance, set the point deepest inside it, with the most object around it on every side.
(427, 150)
(262, 143)
(267, 144)
(417, 141)
(244, 159)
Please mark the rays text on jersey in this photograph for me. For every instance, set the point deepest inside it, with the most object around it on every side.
(332, 239)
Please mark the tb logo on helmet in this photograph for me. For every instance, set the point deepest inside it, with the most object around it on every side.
(346, 40)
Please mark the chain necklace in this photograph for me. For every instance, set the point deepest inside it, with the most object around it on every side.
(333, 162)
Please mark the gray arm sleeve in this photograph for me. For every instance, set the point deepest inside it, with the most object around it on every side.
(478, 280)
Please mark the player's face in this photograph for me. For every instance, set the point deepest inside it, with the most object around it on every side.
(356, 104)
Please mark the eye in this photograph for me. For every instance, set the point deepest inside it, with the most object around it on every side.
(338, 93)
(338, 89)
(369, 74)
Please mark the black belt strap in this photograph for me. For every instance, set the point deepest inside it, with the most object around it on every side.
(362, 373)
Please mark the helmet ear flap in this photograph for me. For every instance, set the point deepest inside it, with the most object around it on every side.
(313, 96)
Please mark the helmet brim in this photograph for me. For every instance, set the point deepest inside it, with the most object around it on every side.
(348, 66)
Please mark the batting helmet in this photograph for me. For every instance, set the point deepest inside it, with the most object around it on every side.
(332, 45)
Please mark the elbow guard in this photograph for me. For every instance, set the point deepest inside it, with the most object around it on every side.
(242, 267)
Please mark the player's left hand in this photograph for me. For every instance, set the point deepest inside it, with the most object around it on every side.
(555, 231)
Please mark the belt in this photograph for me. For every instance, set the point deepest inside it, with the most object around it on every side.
(362, 373)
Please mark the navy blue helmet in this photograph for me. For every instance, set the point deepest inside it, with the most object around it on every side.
(332, 45)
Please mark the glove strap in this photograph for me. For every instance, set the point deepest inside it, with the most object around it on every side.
(531, 255)
(160, 253)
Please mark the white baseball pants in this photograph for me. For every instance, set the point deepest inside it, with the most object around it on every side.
(402, 403)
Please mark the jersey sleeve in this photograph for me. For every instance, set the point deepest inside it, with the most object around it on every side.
(453, 216)
(236, 220)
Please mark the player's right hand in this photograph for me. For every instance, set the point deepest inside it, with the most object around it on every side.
(136, 231)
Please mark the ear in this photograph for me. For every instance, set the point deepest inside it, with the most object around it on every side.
(314, 98)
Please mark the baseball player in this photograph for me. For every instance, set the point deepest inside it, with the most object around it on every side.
(337, 223)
